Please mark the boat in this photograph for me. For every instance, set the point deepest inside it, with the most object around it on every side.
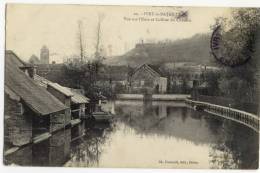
(102, 116)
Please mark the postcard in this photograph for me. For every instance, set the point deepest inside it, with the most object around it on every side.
(131, 86)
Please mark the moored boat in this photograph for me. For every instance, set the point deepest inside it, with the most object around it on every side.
(102, 116)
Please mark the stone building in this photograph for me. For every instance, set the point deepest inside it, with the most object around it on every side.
(29, 108)
(77, 103)
(78, 114)
(184, 74)
(147, 78)
(63, 95)
(73, 98)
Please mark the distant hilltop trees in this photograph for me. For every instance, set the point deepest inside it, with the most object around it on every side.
(195, 49)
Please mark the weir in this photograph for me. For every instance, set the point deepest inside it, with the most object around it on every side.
(242, 117)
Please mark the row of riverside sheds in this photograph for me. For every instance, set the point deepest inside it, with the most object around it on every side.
(35, 107)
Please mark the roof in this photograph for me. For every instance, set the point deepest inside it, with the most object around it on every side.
(41, 81)
(64, 90)
(153, 68)
(156, 68)
(14, 59)
(36, 98)
(77, 97)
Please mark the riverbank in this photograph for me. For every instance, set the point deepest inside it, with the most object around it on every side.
(154, 97)
(242, 117)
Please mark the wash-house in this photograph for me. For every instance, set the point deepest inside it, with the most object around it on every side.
(79, 104)
(66, 96)
(73, 98)
(30, 110)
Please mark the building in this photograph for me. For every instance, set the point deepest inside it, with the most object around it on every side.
(44, 56)
(30, 110)
(73, 98)
(183, 75)
(63, 95)
(147, 78)
(79, 104)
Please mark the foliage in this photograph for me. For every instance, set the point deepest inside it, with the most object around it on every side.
(212, 79)
(238, 33)
(84, 74)
(239, 37)
(119, 88)
(194, 49)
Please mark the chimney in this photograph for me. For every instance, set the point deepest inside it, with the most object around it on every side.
(32, 71)
(29, 70)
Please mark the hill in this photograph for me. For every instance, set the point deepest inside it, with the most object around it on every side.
(195, 49)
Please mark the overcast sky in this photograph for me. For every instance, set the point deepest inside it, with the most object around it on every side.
(29, 27)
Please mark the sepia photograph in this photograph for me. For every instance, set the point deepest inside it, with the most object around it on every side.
(123, 86)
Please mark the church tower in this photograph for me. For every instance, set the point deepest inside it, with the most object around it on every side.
(44, 57)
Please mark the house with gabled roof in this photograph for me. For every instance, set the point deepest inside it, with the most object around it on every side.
(147, 78)
(29, 109)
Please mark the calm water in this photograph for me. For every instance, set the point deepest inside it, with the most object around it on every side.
(154, 134)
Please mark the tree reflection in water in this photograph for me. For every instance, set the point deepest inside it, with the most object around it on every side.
(232, 145)
(85, 152)
(237, 149)
(167, 127)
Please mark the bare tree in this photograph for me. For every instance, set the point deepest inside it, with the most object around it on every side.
(81, 42)
(98, 37)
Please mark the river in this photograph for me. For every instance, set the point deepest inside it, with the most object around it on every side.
(150, 135)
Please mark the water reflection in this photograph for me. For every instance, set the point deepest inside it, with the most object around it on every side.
(86, 151)
(54, 151)
(151, 134)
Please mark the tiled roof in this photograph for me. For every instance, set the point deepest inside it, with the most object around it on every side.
(64, 90)
(154, 68)
(36, 98)
(41, 81)
(14, 59)
(77, 97)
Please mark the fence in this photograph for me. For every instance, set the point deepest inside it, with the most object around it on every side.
(242, 117)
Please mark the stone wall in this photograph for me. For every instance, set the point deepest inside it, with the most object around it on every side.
(57, 121)
(17, 122)
(22, 157)
(58, 155)
(65, 100)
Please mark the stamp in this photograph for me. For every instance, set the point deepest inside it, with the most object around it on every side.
(219, 50)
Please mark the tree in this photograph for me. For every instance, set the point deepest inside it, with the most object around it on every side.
(34, 60)
(98, 55)
(83, 73)
(238, 38)
(212, 79)
(238, 33)
(81, 42)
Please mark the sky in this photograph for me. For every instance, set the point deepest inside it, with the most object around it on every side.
(29, 27)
